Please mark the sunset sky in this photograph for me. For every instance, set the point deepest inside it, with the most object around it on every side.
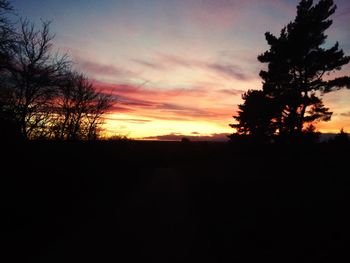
(177, 67)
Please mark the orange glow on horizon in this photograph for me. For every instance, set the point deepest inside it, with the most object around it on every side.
(147, 115)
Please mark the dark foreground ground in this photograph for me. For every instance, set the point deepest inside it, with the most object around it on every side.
(174, 202)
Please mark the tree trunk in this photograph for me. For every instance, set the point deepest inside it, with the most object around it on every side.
(302, 113)
(301, 118)
(23, 125)
(63, 129)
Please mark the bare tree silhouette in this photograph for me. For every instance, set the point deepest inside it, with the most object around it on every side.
(79, 109)
(6, 33)
(41, 97)
(8, 127)
(35, 73)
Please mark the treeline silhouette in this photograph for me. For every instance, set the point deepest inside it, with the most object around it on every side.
(299, 65)
(41, 96)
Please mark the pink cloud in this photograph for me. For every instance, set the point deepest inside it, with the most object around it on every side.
(142, 91)
(117, 108)
(98, 69)
(184, 104)
(133, 102)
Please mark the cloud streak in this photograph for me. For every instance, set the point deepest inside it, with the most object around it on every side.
(230, 71)
(134, 121)
(227, 70)
(185, 104)
(216, 137)
(148, 64)
(95, 69)
(231, 92)
(345, 114)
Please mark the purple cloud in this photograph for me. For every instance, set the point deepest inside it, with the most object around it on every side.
(233, 92)
(148, 64)
(99, 69)
(186, 111)
(173, 60)
(228, 70)
(215, 137)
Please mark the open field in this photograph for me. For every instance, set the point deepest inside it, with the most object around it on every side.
(174, 202)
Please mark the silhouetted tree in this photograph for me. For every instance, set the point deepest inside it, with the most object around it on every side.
(310, 134)
(40, 96)
(6, 33)
(8, 127)
(79, 109)
(255, 116)
(342, 137)
(297, 63)
(34, 75)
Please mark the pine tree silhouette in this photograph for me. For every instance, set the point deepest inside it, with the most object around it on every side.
(297, 63)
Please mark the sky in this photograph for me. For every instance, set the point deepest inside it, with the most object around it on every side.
(177, 67)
